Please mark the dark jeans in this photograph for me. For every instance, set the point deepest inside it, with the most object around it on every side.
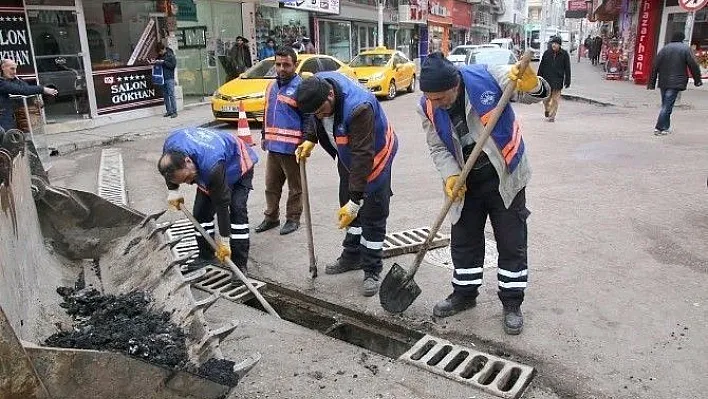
(204, 213)
(482, 199)
(365, 235)
(168, 93)
(668, 98)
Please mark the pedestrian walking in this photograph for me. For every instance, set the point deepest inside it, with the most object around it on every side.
(221, 165)
(352, 127)
(239, 57)
(588, 47)
(671, 66)
(268, 49)
(10, 116)
(555, 69)
(596, 50)
(167, 60)
(453, 109)
(308, 47)
(282, 133)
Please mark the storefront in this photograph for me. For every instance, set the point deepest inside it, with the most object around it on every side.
(412, 16)
(677, 19)
(335, 38)
(346, 34)
(461, 22)
(439, 24)
(284, 25)
(206, 31)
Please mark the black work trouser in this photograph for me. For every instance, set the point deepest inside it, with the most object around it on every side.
(467, 244)
(365, 235)
(238, 211)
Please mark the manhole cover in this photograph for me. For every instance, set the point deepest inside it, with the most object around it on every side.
(409, 241)
(500, 377)
(441, 257)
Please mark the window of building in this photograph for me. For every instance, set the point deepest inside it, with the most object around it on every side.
(335, 39)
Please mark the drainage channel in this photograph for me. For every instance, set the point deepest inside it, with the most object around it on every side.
(497, 376)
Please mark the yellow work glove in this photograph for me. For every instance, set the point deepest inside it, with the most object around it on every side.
(304, 150)
(223, 248)
(450, 184)
(347, 213)
(526, 82)
(175, 200)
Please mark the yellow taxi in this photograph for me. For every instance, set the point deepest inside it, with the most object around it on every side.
(385, 72)
(250, 87)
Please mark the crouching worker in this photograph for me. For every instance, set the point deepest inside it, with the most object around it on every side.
(221, 166)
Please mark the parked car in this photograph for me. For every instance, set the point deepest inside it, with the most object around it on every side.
(385, 72)
(496, 56)
(458, 55)
(249, 88)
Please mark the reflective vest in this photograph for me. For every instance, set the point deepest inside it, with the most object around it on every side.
(484, 93)
(207, 147)
(281, 121)
(385, 140)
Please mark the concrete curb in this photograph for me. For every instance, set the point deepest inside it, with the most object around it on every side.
(587, 100)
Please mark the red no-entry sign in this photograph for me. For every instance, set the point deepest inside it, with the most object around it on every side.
(692, 5)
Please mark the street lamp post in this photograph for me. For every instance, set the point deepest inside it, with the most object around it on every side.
(381, 30)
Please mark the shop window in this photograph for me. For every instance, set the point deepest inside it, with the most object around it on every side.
(285, 26)
(69, 3)
(329, 64)
(310, 66)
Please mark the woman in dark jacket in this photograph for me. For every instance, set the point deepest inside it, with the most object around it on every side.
(555, 69)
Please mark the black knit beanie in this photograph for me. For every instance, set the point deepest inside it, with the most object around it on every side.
(311, 94)
(438, 74)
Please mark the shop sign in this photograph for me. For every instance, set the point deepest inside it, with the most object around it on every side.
(644, 48)
(124, 89)
(15, 40)
(323, 6)
(692, 5)
(414, 12)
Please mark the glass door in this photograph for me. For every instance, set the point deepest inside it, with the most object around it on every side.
(57, 47)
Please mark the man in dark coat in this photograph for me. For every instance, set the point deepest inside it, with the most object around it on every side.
(240, 57)
(671, 66)
(10, 84)
(555, 69)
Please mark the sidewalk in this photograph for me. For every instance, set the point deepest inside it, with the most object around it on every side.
(588, 84)
(64, 143)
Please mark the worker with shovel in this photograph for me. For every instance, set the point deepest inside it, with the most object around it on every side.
(221, 166)
(454, 108)
(282, 133)
(351, 126)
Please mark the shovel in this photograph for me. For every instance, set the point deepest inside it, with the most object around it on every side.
(308, 218)
(230, 263)
(398, 290)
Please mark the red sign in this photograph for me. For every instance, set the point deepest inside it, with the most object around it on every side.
(692, 5)
(577, 5)
(461, 14)
(646, 40)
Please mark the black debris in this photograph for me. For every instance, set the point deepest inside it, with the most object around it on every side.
(218, 370)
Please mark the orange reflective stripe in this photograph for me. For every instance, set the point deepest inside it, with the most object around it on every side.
(283, 132)
(429, 111)
(341, 140)
(202, 189)
(381, 159)
(287, 100)
(282, 139)
(512, 146)
(485, 118)
(246, 161)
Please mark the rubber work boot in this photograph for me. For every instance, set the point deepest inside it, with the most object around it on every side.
(198, 263)
(342, 265)
(454, 304)
(371, 284)
(267, 225)
(513, 320)
(289, 227)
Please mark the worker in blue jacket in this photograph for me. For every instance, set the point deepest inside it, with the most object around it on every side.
(221, 165)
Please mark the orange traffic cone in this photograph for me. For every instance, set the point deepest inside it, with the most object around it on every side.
(244, 132)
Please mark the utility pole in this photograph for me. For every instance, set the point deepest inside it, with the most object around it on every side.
(381, 28)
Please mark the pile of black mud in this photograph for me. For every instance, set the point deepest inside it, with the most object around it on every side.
(126, 324)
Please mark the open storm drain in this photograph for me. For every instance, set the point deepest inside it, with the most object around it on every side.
(409, 241)
(495, 375)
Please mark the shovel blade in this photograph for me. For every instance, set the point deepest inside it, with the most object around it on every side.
(398, 290)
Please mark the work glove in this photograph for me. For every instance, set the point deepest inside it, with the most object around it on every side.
(223, 248)
(348, 213)
(304, 150)
(175, 200)
(450, 184)
(525, 83)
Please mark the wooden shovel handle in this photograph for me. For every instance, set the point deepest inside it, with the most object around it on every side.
(509, 91)
(308, 217)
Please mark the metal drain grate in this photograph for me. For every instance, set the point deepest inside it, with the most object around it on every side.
(216, 280)
(441, 257)
(111, 179)
(500, 377)
(408, 241)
